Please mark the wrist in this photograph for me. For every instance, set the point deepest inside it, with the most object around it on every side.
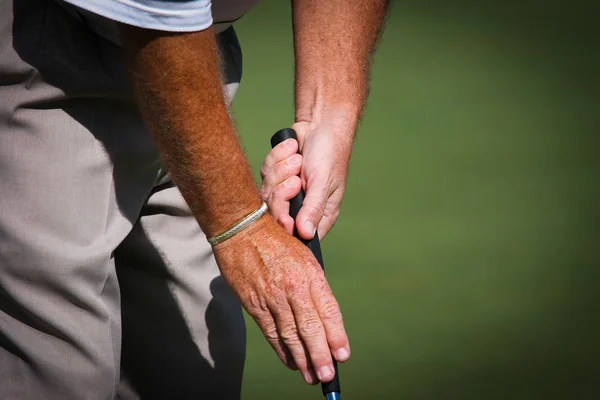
(258, 229)
(239, 226)
(216, 221)
(341, 119)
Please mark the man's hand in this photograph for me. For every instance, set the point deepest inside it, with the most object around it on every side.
(178, 88)
(281, 285)
(323, 170)
(333, 44)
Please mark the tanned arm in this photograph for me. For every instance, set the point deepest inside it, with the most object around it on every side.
(177, 82)
(333, 41)
(278, 281)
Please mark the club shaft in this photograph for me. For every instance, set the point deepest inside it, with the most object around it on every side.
(333, 396)
(331, 390)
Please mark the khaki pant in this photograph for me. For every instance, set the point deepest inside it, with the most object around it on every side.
(108, 288)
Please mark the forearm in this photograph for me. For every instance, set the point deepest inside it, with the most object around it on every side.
(333, 43)
(178, 88)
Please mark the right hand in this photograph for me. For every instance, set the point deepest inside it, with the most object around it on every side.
(281, 285)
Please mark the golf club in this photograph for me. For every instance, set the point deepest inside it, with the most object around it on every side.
(331, 390)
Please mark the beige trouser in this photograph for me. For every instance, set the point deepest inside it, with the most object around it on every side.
(108, 288)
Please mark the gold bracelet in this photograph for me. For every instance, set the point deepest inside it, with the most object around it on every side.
(240, 226)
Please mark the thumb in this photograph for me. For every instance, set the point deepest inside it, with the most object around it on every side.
(312, 210)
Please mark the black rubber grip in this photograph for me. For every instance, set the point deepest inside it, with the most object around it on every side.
(313, 244)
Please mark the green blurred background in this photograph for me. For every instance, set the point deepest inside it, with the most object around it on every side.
(466, 255)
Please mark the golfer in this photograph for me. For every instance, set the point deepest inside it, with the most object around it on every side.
(130, 226)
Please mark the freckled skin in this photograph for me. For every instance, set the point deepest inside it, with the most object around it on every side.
(177, 84)
(293, 290)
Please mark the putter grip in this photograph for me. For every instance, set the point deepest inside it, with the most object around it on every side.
(313, 245)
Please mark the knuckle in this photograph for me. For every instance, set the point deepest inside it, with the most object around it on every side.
(286, 189)
(289, 334)
(281, 168)
(318, 280)
(263, 170)
(278, 300)
(296, 288)
(311, 327)
(264, 192)
(331, 312)
(257, 306)
(270, 333)
(320, 283)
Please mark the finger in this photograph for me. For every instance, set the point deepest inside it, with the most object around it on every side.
(311, 330)
(278, 153)
(312, 210)
(279, 200)
(326, 225)
(291, 364)
(331, 316)
(311, 370)
(329, 217)
(286, 328)
(286, 358)
(281, 171)
(287, 222)
(267, 325)
(301, 128)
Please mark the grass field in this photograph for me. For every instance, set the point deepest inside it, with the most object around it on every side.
(466, 258)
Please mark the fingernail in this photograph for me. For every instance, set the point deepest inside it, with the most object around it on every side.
(289, 143)
(310, 377)
(324, 373)
(342, 354)
(309, 227)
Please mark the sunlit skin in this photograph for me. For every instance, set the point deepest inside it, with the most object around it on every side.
(276, 278)
(333, 43)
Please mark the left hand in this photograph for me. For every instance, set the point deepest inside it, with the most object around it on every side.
(323, 169)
